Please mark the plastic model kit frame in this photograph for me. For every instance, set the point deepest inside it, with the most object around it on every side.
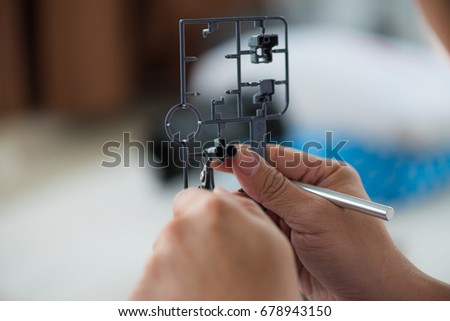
(262, 49)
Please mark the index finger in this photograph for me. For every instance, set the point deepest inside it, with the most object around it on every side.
(292, 163)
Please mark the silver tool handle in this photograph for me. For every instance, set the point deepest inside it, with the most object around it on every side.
(350, 202)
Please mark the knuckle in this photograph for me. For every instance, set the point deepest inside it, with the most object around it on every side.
(350, 170)
(212, 207)
(350, 180)
(173, 231)
(346, 172)
(274, 185)
(155, 264)
(211, 203)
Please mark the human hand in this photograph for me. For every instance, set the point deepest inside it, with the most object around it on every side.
(437, 13)
(219, 247)
(341, 254)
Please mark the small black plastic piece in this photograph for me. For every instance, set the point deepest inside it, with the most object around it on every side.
(264, 44)
(266, 90)
(220, 150)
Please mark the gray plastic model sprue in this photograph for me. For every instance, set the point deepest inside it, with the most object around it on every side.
(262, 48)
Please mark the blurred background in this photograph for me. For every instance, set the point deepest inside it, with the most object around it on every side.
(76, 74)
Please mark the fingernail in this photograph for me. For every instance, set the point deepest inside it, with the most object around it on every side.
(247, 162)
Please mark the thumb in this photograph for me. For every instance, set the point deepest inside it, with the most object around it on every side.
(269, 187)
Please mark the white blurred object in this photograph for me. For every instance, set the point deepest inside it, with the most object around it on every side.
(399, 18)
(85, 235)
(374, 87)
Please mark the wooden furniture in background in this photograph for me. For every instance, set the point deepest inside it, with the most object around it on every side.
(14, 81)
(92, 59)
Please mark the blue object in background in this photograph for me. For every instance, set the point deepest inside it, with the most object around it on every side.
(390, 174)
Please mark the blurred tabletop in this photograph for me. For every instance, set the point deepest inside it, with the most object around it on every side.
(77, 231)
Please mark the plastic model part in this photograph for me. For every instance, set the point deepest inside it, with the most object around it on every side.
(260, 48)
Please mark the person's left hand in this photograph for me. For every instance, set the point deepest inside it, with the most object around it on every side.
(219, 246)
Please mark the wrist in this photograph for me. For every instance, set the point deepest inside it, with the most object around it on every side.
(426, 288)
(407, 282)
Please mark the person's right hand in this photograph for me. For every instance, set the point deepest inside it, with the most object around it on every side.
(341, 254)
